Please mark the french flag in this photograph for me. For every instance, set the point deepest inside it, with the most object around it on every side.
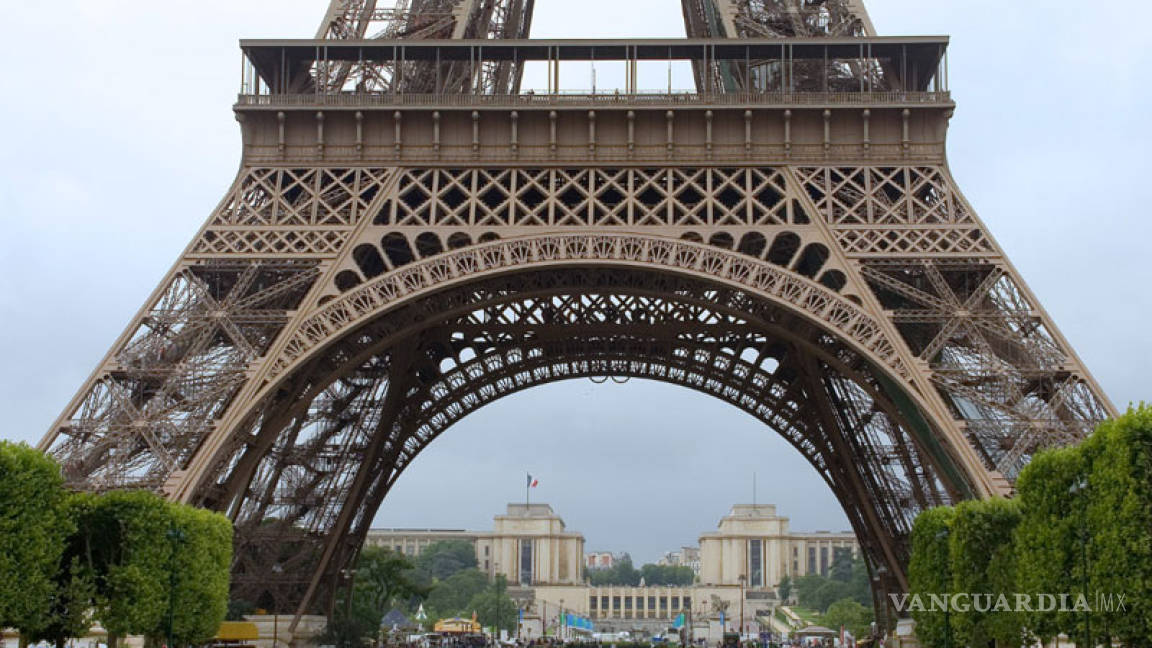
(532, 482)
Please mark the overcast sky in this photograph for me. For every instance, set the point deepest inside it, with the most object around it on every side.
(119, 141)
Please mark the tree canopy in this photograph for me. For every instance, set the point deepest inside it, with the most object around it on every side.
(132, 561)
(441, 559)
(1080, 526)
(33, 529)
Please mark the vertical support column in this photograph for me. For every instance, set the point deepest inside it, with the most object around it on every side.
(359, 134)
(631, 133)
(475, 133)
(280, 143)
(320, 133)
(591, 134)
(671, 144)
(552, 132)
(827, 131)
(398, 144)
(867, 115)
(436, 133)
(747, 132)
(515, 117)
(905, 141)
(708, 133)
(788, 133)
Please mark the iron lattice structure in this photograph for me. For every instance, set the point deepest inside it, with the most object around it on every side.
(410, 238)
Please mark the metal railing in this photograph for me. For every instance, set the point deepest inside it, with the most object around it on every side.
(601, 99)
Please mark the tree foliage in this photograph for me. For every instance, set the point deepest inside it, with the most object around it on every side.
(70, 614)
(620, 573)
(623, 573)
(784, 589)
(1084, 529)
(850, 614)
(385, 579)
(820, 592)
(132, 561)
(667, 574)
(32, 536)
(441, 559)
(493, 606)
(984, 564)
(200, 546)
(930, 572)
(1118, 511)
(1047, 548)
(451, 596)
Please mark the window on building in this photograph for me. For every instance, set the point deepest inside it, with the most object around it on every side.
(603, 602)
(486, 549)
(592, 602)
(485, 565)
(675, 602)
(687, 602)
(663, 603)
(823, 561)
(795, 551)
(651, 602)
(811, 560)
(628, 603)
(525, 562)
(615, 602)
(755, 563)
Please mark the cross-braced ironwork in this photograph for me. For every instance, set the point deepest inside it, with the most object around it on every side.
(411, 238)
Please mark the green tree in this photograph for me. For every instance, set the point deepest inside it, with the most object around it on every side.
(200, 551)
(841, 564)
(1047, 548)
(384, 579)
(930, 573)
(1117, 510)
(451, 596)
(667, 574)
(983, 559)
(128, 550)
(493, 607)
(74, 582)
(850, 614)
(32, 536)
(620, 573)
(784, 589)
(441, 559)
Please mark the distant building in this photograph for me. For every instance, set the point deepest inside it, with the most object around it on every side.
(744, 559)
(754, 542)
(685, 557)
(600, 560)
(528, 544)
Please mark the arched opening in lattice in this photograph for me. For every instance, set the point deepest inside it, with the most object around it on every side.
(319, 452)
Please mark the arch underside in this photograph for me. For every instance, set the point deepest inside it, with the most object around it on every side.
(319, 454)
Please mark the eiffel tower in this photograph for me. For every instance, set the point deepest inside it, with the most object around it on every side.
(412, 236)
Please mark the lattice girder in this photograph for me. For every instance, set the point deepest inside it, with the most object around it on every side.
(501, 365)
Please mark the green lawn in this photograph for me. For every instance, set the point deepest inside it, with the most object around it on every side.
(811, 616)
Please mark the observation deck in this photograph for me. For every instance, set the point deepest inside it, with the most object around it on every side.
(430, 100)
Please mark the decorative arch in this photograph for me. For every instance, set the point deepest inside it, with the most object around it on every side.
(375, 375)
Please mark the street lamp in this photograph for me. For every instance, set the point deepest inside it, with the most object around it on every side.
(942, 534)
(277, 569)
(563, 622)
(881, 572)
(1078, 490)
(741, 578)
(176, 537)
